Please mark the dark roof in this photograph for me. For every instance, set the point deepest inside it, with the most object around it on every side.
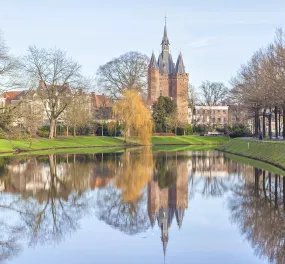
(165, 63)
(153, 62)
(180, 68)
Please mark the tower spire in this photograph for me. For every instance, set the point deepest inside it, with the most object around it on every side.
(165, 42)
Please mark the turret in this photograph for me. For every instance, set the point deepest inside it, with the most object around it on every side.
(153, 80)
(180, 68)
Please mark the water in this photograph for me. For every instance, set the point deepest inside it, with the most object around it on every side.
(140, 206)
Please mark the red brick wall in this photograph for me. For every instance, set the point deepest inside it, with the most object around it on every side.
(153, 84)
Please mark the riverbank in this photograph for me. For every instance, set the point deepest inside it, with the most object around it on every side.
(272, 152)
(91, 142)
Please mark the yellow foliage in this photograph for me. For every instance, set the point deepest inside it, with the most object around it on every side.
(132, 111)
(135, 173)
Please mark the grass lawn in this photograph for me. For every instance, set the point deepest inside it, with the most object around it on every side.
(256, 164)
(91, 141)
(268, 151)
(60, 142)
(188, 140)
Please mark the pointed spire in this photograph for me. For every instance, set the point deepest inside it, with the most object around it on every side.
(165, 41)
(153, 62)
(180, 68)
(179, 216)
(164, 240)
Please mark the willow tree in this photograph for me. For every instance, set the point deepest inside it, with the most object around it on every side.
(135, 172)
(134, 114)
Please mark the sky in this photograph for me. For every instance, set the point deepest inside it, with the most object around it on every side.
(215, 37)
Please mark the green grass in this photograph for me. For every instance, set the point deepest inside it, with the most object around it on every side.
(268, 151)
(60, 142)
(256, 164)
(66, 151)
(170, 148)
(65, 143)
(188, 140)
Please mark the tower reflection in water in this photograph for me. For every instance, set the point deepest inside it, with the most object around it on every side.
(132, 191)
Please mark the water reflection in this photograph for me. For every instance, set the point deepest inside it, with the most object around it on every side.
(257, 207)
(44, 198)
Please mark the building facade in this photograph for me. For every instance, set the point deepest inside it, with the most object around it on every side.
(165, 78)
(213, 116)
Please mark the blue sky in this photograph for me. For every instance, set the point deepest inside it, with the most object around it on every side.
(215, 37)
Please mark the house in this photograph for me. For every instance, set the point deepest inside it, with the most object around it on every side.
(213, 116)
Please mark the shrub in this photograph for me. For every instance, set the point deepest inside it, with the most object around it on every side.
(201, 129)
(180, 131)
(43, 131)
(189, 130)
(222, 130)
(239, 130)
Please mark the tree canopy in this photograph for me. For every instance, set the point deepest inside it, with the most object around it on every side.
(164, 113)
(128, 71)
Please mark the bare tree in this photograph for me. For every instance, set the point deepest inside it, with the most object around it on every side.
(129, 71)
(213, 93)
(10, 78)
(59, 78)
(8, 67)
(78, 112)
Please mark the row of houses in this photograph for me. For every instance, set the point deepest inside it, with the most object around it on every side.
(99, 106)
(28, 104)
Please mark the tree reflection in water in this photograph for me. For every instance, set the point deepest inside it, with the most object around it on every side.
(48, 200)
(122, 205)
(47, 196)
(257, 207)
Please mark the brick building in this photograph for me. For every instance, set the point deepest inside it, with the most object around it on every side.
(165, 78)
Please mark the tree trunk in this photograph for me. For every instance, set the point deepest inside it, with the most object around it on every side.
(279, 122)
(284, 123)
(276, 121)
(270, 124)
(74, 131)
(256, 117)
(52, 128)
(263, 123)
(55, 131)
(102, 129)
(67, 132)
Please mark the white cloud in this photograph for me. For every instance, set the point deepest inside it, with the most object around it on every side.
(201, 43)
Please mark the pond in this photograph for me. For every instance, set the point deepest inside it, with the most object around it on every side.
(141, 206)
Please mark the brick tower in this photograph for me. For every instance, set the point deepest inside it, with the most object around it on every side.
(168, 79)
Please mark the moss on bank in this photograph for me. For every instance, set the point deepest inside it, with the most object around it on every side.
(266, 151)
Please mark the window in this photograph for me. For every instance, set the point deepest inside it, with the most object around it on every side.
(219, 120)
(160, 92)
(214, 120)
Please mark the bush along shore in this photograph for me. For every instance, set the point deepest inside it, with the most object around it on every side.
(272, 152)
(16, 146)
